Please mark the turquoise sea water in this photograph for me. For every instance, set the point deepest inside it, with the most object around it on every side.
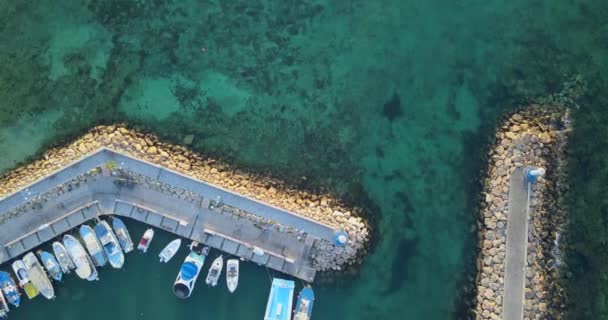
(387, 103)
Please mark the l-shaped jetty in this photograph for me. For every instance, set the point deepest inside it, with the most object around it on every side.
(107, 181)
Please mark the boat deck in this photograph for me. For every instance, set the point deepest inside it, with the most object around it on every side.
(46, 213)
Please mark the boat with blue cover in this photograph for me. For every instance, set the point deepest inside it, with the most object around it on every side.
(93, 246)
(51, 265)
(110, 244)
(38, 276)
(84, 265)
(303, 309)
(24, 279)
(63, 257)
(280, 300)
(10, 289)
(123, 235)
(189, 271)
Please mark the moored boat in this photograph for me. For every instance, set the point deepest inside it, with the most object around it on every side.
(170, 250)
(123, 235)
(303, 309)
(82, 261)
(24, 279)
(146, 239)
(51, 265)
(10, 289)
(215, 271)
(38, 276)
(232, 274)
(189, 271)
(93, 246)
(110, 244)
(3, 307)
(65, 262)
(280, 300)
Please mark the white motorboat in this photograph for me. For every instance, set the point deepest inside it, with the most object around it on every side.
(93, 245)
(24, 279)
(37, 276)
(215, 271)
(61, 253)
(123, 235)
(110, 244)
(144, 243)
(232, 274)
(3, 307)
(84, 266)
(189, 271)
(170, 250)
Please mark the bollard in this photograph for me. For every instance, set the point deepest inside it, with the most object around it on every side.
(532, 174)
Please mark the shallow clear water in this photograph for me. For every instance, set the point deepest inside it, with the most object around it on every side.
(388, 103)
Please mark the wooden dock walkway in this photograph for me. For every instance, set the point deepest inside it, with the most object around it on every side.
(217, 227)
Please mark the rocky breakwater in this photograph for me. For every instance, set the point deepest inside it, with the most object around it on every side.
(324, 208)
(535, 136)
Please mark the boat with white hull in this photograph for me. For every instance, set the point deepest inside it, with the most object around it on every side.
(232, 274)
(123, 234)
(146, 239)
(215, 271)
(65, 262)
(170, 250)
(3, 307)
(38, 276)
(189, 272)
(110, 244)
(84, 266)
(24, 279)
(93, 245)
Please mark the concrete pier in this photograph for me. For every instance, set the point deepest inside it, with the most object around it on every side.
(164, 199)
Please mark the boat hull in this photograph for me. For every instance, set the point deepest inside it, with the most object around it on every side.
(122, 234)
(189, 272)
(84, 268)
(232, 274)
(215, 271)
(38, 276)
(93, 246)
(170, 250)
(10, 289)
(145, 241)
(3, 307)
(51, 265)
(306, 299)
(280, 300)
(62, 256)
(110, 244)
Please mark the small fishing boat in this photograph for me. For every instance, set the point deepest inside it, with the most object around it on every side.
(215, 271)
(10, 289)
(51, 265)
(110, 244)
(144, 242)
(303, 309)
(38, 276)
(24, 279)
(232, 274)
(3, 307)
(170, 250)
(189, 271)
(93, 246)
(123, 235)
(65, 262)
(84, 266)
(280, 300)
